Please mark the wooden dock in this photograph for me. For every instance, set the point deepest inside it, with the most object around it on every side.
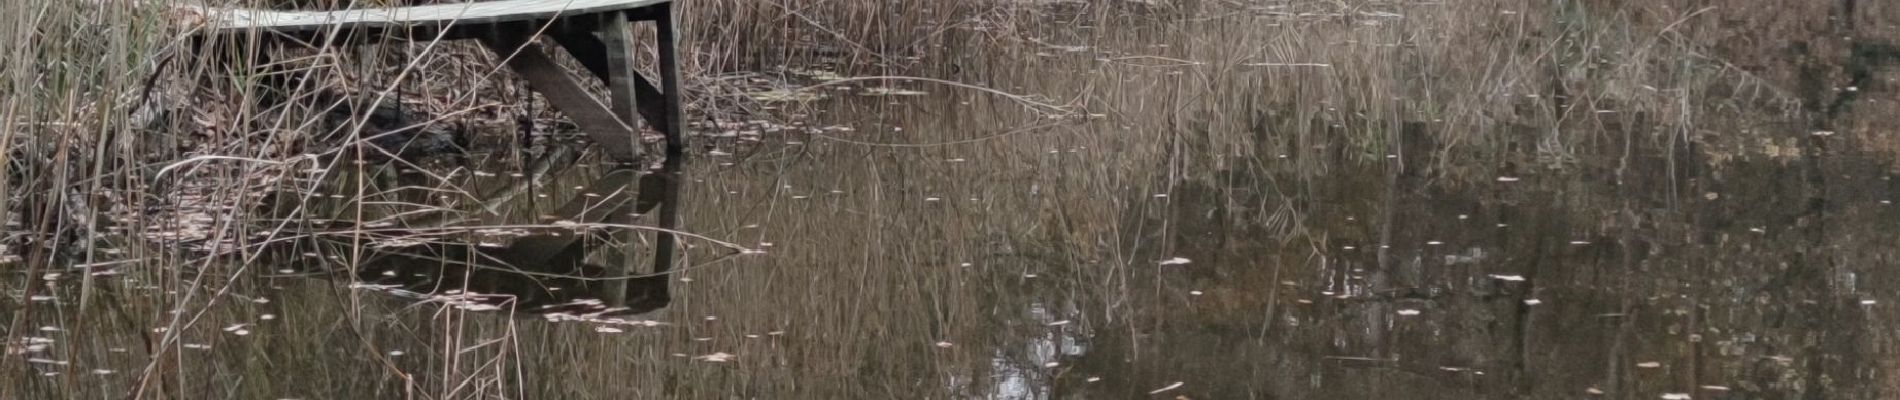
(598, 33)
(434, 15)
(595, 32)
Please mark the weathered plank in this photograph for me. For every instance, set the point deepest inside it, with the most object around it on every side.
(226, 20)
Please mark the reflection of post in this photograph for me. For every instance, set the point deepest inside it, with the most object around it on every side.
(666, 242)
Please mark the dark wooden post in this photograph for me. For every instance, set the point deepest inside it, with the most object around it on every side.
(675, 127)
(617, 34)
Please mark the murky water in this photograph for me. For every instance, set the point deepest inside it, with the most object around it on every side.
(1180, 230)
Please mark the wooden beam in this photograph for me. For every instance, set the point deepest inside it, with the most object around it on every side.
(670, 85)
(544, 76)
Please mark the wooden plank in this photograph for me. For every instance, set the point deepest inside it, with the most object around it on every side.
(547, 78)
(230, 20)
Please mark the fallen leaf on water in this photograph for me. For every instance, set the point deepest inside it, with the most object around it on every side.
(1173, 386)
(715, 357)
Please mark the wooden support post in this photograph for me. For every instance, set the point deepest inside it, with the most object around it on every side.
(546, 77)
(617, 33)
(675, 125)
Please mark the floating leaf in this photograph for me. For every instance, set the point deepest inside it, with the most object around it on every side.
(715, 357)
(1173, 386)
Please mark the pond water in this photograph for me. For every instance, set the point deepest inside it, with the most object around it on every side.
(1262, 205)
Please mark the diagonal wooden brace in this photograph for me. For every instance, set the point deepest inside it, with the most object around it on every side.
(594, 54)
(617, 138)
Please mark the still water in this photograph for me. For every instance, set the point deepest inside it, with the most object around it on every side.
(1164, 211)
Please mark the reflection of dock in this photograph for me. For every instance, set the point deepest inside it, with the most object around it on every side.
(542, 272)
